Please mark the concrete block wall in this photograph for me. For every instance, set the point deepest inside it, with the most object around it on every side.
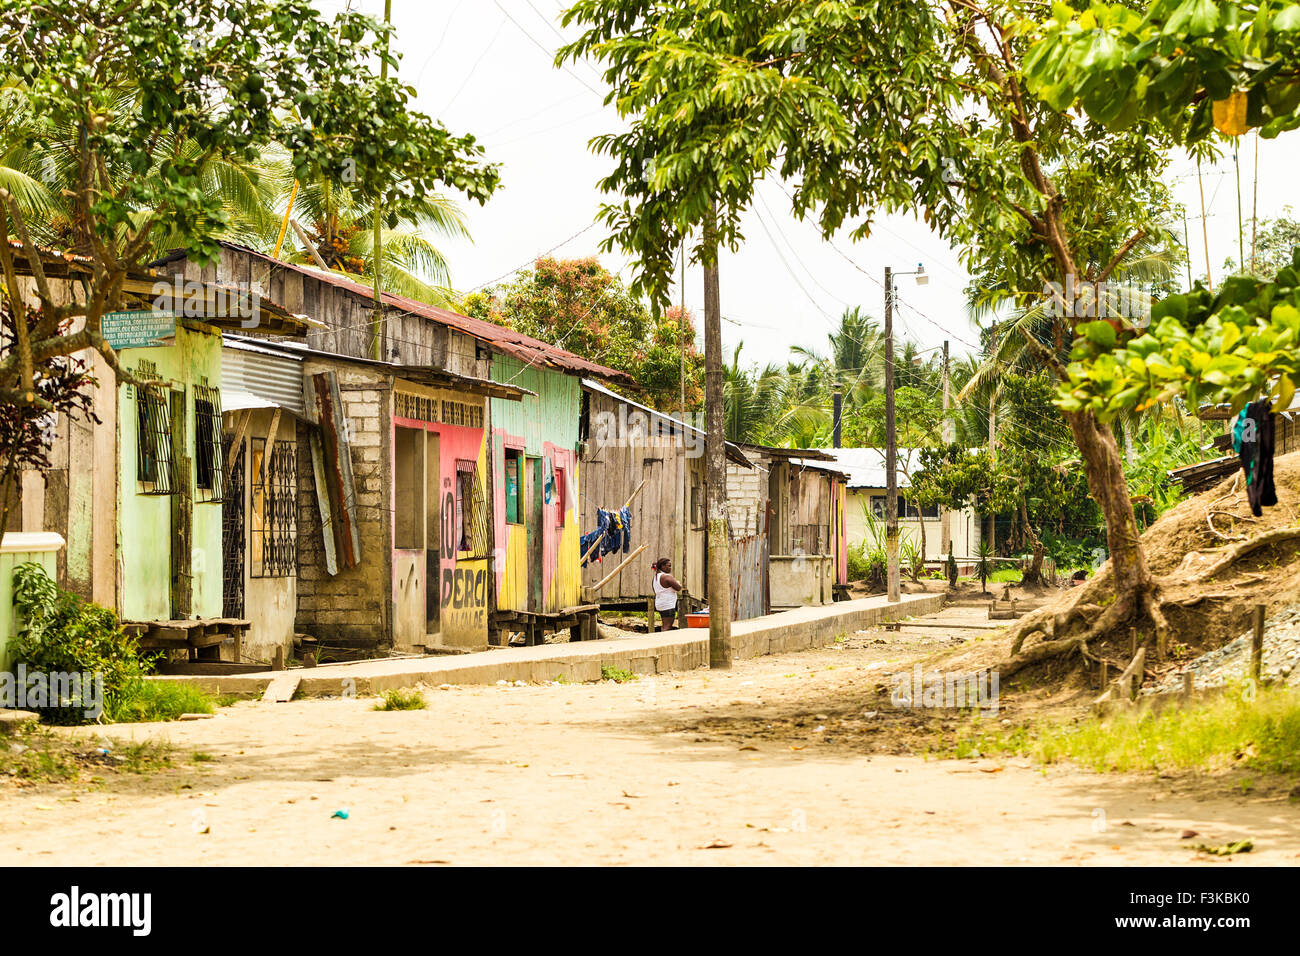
(745, 498)
(354, 604)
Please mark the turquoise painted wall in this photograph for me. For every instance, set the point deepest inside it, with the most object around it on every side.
(144, 530)
(550, 416)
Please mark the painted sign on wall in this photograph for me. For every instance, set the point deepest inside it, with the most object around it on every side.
(138, 329)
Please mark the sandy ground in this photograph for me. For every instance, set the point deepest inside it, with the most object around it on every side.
(774, 762)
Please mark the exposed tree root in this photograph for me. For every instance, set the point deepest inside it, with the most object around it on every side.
(1111, 617)
(1243, 548)
(1051, 624)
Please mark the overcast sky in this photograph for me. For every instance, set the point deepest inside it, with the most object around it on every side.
(485, 66)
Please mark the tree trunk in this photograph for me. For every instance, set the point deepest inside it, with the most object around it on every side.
(715, 451)
(1035, 573)
(1133, 584)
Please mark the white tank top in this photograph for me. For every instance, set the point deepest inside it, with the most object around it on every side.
(665, 597)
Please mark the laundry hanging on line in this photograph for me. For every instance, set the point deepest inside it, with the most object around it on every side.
(1253, 439)
(613, 531)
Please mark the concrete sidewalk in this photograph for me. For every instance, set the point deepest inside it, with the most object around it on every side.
(795, 630)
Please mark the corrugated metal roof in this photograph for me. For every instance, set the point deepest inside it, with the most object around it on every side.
(507, 341)
(416, 373)
(866, 466)
(733, 450)
(246, 367)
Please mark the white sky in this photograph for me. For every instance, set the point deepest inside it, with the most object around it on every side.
(485, 67)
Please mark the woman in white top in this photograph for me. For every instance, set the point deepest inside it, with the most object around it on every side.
(665, 588)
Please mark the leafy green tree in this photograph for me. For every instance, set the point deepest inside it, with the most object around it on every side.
(1274, 241)
(156, 92)
(582, 306)
(873, 107)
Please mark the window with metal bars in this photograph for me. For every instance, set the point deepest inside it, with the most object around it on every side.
(209, 480)
(273, 515)
(232, 535)
(155, 470)
(471, 511)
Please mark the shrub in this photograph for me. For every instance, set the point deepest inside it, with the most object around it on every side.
(59, 632)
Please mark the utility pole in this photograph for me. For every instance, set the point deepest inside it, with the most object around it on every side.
(376, 253)
(715, 452)
(837, 411)
(945, 516)
(1254, 206)
(891, 448)
(683, 566)
(991, 529)
(1241, 231)
(1205, 227)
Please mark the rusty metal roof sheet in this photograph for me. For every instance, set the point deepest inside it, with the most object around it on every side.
(506, 341)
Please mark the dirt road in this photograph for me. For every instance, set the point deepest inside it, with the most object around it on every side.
(774, 762)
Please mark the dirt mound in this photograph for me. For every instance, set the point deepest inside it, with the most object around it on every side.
(1204, 611)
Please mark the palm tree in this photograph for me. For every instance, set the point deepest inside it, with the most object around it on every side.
(340, 226)
(855, 364)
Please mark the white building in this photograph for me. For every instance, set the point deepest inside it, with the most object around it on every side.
(865, 468)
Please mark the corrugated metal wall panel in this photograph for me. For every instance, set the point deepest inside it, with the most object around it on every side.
(274, 377)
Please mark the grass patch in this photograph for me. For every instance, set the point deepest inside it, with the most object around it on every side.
(40, 755)
(227, 700)
(149, 700)
(200, 757)
(1006, 576)
(1228, 731)
(616, 674)
(401, 700)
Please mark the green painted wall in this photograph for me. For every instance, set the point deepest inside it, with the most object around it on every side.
(46, 556)
(144, 521)
(550, 416)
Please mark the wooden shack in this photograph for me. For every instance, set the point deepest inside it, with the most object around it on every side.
(418, 401)
(798, 503)
(139, 494)
(632, 452)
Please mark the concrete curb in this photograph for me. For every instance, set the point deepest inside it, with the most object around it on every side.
(796, 630)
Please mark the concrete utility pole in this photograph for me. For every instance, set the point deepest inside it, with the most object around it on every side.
(715, 452)
(891, 448)
(837, 410)
(945, 516)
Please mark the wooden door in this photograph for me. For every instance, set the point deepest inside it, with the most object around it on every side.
(536, 533)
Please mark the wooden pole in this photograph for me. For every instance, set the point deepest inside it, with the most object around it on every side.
(1205, 228)
(945, 514)
(891, 449)
(284, 226)
(622, 564)
(377, 249)
(1257, 644)
(1254, 206)
(715, 438)
(683, 567)
(1241, 230)
(627, 504)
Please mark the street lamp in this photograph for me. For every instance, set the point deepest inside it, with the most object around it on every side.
(891, 437)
